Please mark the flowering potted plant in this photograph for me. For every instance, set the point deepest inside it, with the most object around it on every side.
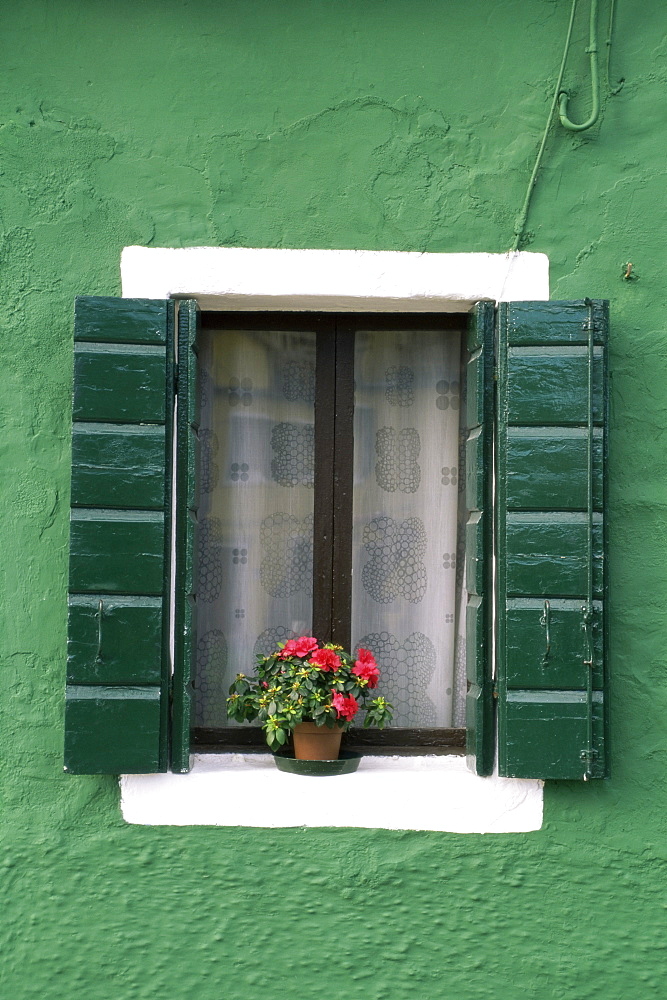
(313, 691)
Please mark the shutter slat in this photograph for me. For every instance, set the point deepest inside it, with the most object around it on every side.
(114, 640)
(547, 471)
(120, 386)
(118, 465)
(552, 388)
(551, 733)
(564, 667)
(104, 319)
(479, 527)
(113, 730)
(548, 554)
(551, 451)
(117, 704)
(116, 552)
(555, 323)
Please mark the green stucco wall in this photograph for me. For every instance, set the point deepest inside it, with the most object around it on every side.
(323, 123)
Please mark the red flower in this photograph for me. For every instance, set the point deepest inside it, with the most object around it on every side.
(298, 647)
(325, 659)
(366, 667)
(346, 707)
(365, 656)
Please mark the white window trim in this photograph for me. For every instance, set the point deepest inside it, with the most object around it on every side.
(395, 793)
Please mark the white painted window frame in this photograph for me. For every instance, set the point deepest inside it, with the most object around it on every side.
(396, 793)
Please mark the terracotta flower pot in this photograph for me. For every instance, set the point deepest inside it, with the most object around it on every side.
(313, 742)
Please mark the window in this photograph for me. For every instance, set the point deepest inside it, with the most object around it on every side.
(329, 448)
(535, 414)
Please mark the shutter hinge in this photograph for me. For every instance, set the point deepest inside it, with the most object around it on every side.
(588, 758)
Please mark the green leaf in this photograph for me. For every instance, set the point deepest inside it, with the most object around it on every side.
(281, 736)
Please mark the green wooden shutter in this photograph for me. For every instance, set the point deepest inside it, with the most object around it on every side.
(551, 450)
(185, 642)
(479, 532)
(117, 700)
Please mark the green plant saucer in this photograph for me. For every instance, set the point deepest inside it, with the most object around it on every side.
(346, 764)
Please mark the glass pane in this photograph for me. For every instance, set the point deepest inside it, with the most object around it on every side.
(255, 527)
(407, 563)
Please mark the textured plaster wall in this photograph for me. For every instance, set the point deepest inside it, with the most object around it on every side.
(322, 123)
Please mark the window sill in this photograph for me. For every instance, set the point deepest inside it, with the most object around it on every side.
(390, 793)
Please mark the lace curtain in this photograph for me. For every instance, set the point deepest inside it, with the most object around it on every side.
(255, 529)
(406, 588)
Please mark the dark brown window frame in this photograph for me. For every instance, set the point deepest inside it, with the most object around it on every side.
(332, 548)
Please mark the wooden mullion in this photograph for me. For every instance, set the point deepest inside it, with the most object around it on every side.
(343, 467)
(323, 519)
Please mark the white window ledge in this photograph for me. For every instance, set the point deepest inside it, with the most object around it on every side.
(239, 278)
(390, 793)
(394, 793)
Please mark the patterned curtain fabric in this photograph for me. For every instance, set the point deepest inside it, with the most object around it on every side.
(255, 530)
(405, 600)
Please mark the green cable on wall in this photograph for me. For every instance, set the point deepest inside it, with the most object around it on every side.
(560, 97)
